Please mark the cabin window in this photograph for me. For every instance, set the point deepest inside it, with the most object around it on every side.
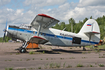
(41, 33)
(33, 32)
(55, 36)
(76, 40)
(44, 34)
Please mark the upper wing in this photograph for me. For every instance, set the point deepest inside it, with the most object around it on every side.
(44, 20)
(38, 40)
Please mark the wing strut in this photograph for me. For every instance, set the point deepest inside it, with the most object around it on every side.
(39, 28)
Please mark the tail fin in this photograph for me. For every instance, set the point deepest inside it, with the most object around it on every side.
(91, 29)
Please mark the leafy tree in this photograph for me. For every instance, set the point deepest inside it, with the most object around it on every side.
(72, 23)
(85, 20)
(57, 26)
(62, 25)
(91, 17)
(6, 39)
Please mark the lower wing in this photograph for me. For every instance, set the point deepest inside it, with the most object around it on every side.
(38, 40)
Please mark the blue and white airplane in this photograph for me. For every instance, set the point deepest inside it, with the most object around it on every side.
(39, 32)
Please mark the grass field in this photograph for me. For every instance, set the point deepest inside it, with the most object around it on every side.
(98, 47)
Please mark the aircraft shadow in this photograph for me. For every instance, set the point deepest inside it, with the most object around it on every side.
(100, 49)
(55, 51)
(47, 51)
(59, 51)
(68, 51)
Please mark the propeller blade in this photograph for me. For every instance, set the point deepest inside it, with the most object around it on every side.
(6, 25)
(4, 37)
(5, 32)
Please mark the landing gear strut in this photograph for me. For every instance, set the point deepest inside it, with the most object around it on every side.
(22, 49)
(84, 49)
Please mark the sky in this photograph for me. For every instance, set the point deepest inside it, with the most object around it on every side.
(17, 12)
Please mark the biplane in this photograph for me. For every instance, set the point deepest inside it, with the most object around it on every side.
(40, 32)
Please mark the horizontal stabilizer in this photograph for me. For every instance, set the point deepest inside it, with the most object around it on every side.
(93, 32)
(38, 40)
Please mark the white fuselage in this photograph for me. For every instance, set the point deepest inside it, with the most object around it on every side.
(54, 36)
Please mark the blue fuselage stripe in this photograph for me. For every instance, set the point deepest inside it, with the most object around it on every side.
(50, 35)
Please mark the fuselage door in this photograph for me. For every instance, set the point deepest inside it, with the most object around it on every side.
(76, 40)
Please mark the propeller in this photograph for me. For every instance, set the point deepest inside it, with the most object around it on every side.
(5, 32)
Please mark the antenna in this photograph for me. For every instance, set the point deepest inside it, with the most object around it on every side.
(64, 29)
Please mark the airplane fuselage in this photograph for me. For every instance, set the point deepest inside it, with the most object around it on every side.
(54, 36)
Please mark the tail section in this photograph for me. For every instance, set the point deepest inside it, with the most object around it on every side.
(91, 30)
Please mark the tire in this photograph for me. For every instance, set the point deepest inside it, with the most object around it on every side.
(84, 49)
(22, 50)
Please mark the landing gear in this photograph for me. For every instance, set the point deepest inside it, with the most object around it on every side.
(79, 46)
(22, 50)
(94, 46)
(84, 49)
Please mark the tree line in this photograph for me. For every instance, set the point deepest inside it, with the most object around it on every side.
(75, 27)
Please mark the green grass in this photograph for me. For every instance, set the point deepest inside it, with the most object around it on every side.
(21, 69)
(27, 59)
(54, 65)
(89, 52)
(97, 51)
(88, 46)
(91, 65)
(64, 64)
(71, 58)
(83, 52)
(70, 48)
(61, 58)
(46, 66)
(33, 59)
(83, 57)
(69, 66)
(46, 58)
(99, 47)
(43, 52)
(8, 68)
(31, 52)
(21, 60)
(17, 53)
(79, 65)
(101, 65)
(39, 67)
(101, 57)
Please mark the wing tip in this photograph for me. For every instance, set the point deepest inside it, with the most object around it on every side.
(44, 15)
(96, 32)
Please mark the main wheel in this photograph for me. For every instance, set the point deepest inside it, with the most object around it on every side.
(84, 49)
(22, 50)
